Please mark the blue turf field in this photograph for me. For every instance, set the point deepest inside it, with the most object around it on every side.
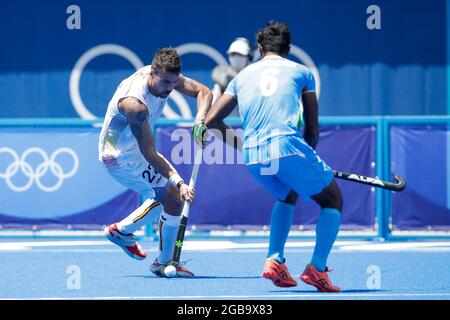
(225, 269)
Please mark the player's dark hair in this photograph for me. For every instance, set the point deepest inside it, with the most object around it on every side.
(275, 37)
(168, 60)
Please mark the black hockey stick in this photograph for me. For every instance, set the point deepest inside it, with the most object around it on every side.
(184, 217)
(398, 185)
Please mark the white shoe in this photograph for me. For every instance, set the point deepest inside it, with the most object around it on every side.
(126, 241)
(182, 272)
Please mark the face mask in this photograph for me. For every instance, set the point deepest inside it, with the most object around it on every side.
(238, 62)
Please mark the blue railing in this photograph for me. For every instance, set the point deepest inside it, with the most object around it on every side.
(381, 124)
(382, 169)
(386, 123)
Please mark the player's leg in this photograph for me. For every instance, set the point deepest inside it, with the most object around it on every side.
(149, 211)
(169, 220)
(131, 176)
(282, 215)
(328, 223)
(327, 228)
(280, 224)
(313, 179)
(121, 233)
(168, 228)
(168, 223)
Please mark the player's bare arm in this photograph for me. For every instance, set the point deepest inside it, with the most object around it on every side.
(204, 97)
(214, 119)
(194, 88)
(311, 118)
(137, 115)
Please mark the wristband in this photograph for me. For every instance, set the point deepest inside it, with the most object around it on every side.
(176, 180)
(179, 184)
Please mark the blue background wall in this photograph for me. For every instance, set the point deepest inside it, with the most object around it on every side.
(51, 177)
(231, 196)
(400, 69)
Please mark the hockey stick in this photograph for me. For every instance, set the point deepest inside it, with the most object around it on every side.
(185, 214)
(398, 186)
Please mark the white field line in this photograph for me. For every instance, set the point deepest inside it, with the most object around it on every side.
(194, 245)
(270, 296)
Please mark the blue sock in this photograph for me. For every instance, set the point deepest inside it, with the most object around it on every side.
(280, 225)
(326, 232)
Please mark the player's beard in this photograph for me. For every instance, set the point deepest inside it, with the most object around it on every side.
(165, 94)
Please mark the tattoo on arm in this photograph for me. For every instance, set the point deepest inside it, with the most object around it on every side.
(136, 130)
(141, 116)
(136, 113)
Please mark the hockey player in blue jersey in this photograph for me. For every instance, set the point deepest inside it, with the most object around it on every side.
(279, 155)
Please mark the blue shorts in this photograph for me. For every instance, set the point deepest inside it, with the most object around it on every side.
(305, 173)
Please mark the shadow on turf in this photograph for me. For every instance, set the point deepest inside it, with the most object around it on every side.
(342, 291)
(196, 277)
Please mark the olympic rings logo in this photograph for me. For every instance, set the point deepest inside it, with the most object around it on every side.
(35, 174)
(180, 101)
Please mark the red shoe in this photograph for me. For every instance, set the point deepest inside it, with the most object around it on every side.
(278, 273)
(182, 272)
(318, 279)
(126, 241)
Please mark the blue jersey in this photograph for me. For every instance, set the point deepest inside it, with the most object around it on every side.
(269, 94)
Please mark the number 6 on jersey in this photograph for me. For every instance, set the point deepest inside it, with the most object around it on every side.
(268, 82)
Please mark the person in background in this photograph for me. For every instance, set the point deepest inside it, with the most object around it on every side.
(240, 55)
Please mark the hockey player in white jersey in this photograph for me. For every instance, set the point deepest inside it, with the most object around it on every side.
(127, 149)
